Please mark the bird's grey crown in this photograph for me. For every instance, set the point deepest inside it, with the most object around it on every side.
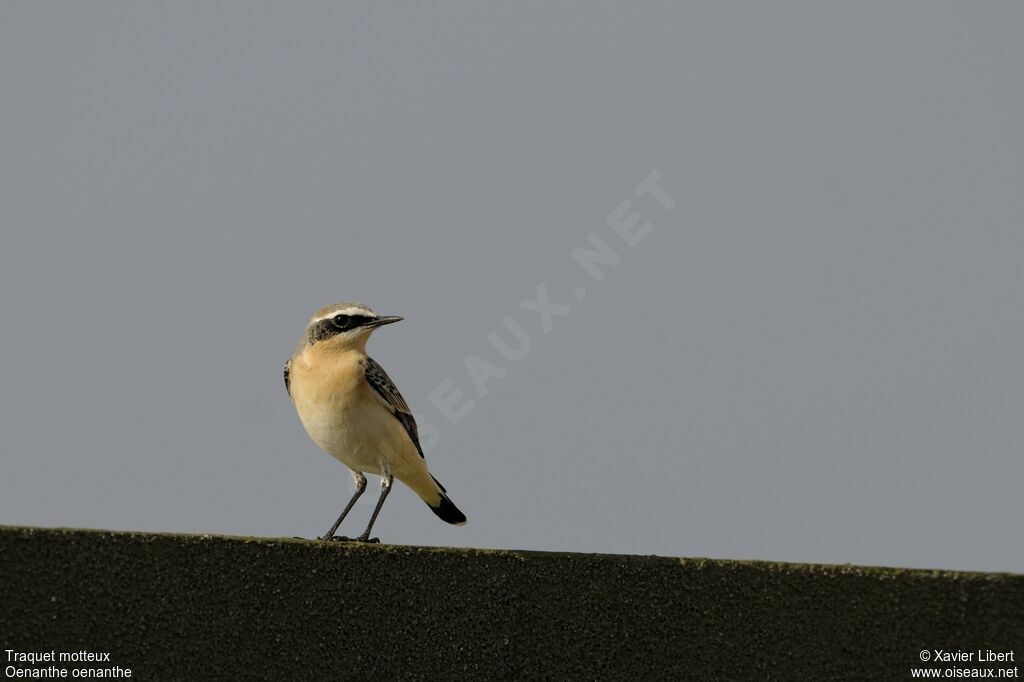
(345, 308)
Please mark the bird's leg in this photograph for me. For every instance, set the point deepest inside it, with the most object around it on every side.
(385, 488)
(360, 487)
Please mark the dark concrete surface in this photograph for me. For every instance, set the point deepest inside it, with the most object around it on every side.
(185, 607)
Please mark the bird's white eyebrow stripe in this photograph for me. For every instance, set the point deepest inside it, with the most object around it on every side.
(362, 312)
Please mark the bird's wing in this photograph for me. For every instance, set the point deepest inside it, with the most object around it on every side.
(288, 376)
(392, 399)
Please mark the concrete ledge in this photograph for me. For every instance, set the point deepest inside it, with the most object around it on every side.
(205, 607)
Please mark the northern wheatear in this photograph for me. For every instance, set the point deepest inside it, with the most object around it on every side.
(350, 408)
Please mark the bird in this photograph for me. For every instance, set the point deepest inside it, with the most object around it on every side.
(352, 410)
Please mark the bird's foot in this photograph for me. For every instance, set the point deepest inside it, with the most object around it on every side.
(344, 538)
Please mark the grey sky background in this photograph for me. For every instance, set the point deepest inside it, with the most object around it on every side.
(814, 356)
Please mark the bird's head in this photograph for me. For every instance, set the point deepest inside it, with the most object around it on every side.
(344, 325)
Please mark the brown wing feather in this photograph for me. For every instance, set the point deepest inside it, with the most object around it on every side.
(381, 382)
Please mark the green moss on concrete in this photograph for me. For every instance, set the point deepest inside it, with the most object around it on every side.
(208, 607)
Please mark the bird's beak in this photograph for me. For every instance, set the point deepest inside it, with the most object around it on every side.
(381, 321)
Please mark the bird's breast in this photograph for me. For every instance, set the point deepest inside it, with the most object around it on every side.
(338, 409)
(324, 388)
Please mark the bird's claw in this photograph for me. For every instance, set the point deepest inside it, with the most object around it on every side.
(343, 538)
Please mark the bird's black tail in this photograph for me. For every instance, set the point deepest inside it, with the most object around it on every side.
(447, 511)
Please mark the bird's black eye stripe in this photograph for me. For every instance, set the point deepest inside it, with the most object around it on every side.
(347, 322)
(332, 326)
